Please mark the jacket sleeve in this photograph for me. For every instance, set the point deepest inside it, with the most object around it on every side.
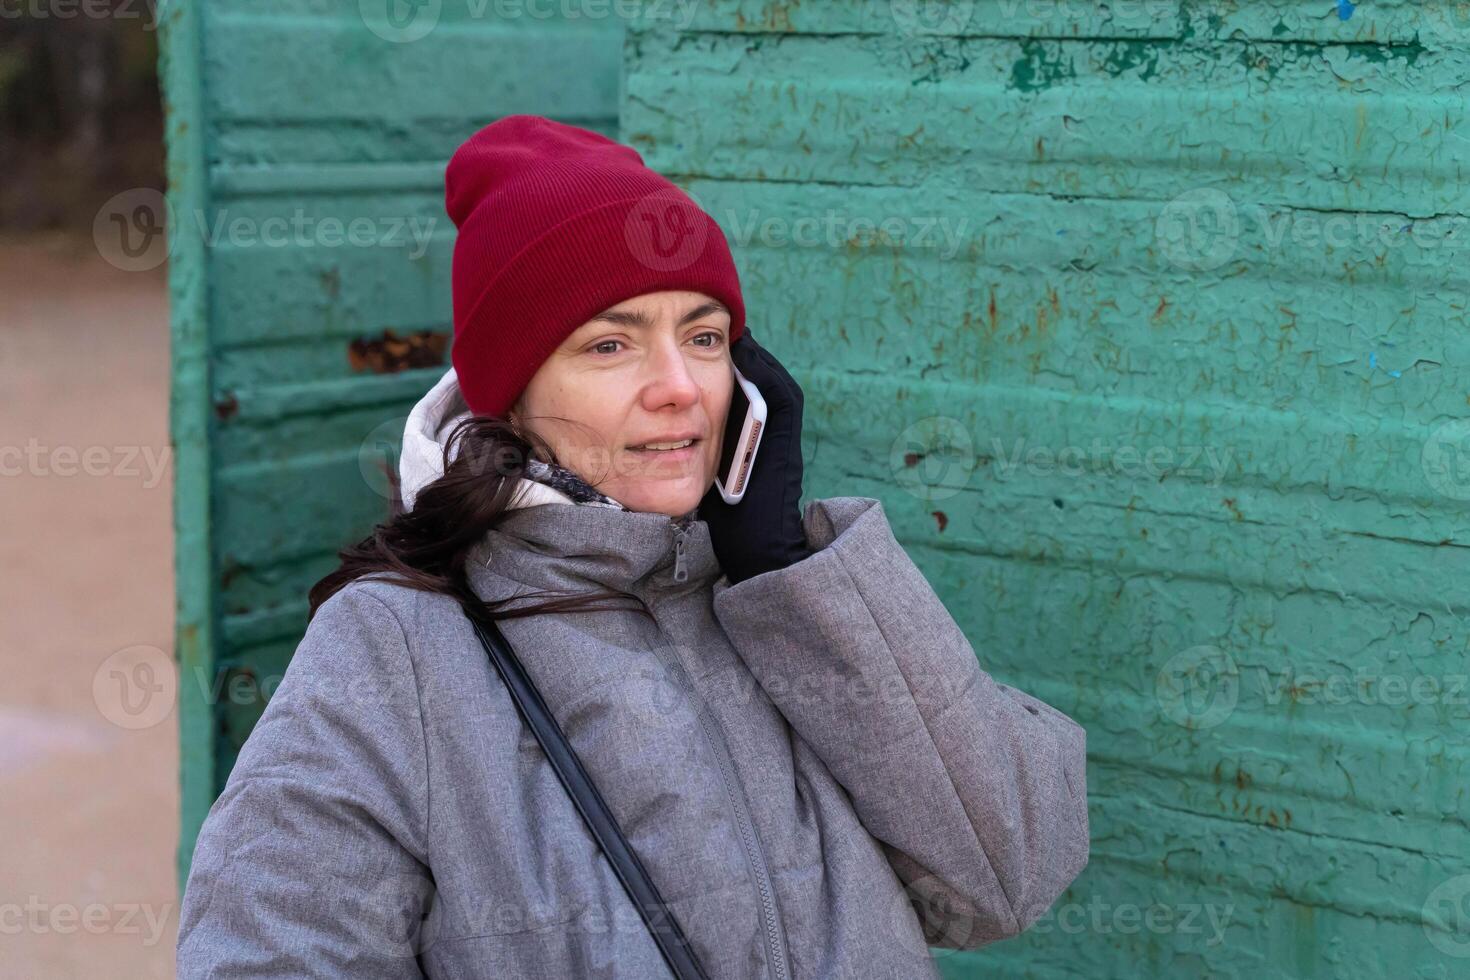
(976, 791)
(313, 860)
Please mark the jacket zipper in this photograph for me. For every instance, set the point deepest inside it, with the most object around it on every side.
(681, 573)
(775, 936)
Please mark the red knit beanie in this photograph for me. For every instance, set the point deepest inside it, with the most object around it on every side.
(557, 224)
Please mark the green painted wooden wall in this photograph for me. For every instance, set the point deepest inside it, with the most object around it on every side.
(1143, 319)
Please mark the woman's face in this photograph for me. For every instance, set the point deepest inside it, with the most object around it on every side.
(654, 368)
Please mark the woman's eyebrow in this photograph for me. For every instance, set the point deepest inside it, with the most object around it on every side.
(638, 318)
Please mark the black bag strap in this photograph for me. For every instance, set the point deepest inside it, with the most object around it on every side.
(640, 888)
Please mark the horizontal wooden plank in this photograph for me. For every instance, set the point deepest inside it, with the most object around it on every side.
(1048, 118)
(268, 103)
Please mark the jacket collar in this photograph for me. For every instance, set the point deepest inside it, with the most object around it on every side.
(548, 540)
(577, 548)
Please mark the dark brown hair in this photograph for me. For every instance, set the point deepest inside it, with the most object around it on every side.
(426, 548)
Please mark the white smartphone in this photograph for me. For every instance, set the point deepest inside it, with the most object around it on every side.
(743, 428)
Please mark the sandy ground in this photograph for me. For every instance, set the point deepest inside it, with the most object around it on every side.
(88, 784)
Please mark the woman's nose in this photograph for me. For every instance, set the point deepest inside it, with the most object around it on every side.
(669, 378)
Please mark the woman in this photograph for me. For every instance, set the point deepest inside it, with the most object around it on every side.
(787, 724)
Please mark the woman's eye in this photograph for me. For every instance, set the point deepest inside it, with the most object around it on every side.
(714, 337)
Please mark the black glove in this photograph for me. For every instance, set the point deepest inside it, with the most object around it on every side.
(763, 532)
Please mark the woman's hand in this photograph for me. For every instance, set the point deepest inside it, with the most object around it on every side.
(763, 532)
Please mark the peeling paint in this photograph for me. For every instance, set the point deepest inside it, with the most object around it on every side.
(1041, 65)
(390, 353)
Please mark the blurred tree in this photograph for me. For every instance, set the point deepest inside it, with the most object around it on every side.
(80, 118)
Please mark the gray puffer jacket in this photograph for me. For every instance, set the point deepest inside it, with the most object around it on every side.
(812, 765)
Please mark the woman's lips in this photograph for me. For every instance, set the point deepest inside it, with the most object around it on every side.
(670, 455)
